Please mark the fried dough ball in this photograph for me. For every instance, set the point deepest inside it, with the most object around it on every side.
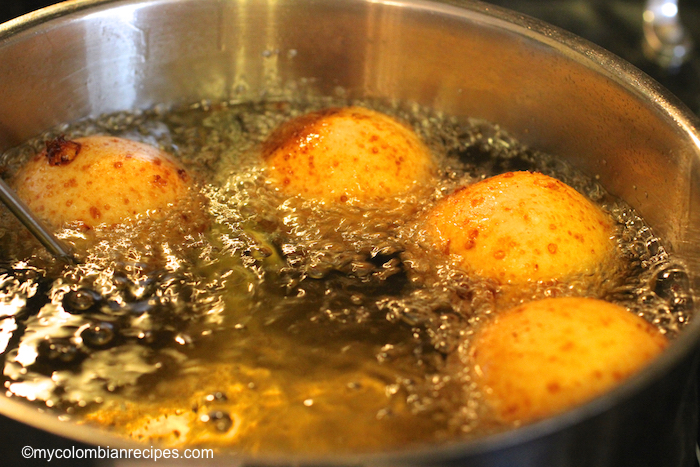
(100, 180)
(349, 154)
(543, 357)
(519, 227)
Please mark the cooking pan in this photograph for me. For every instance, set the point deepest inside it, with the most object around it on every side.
(551, 90)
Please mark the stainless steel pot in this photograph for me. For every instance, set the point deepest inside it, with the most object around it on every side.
(548, 88)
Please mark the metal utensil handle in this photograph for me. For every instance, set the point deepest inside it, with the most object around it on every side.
(33, 224)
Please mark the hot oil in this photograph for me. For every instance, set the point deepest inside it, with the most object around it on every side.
(285, 326)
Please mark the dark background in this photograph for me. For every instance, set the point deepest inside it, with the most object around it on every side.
(12, 8)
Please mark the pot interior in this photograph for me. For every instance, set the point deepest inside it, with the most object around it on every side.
(550, 90)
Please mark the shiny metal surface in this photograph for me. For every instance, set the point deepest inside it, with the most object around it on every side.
(550, 89)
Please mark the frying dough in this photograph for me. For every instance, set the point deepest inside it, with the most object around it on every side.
(101, 180)
(540, 358)
(349, 154)
(519, 227)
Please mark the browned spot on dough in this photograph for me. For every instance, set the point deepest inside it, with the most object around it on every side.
(471, 239)
(60, 151)
(118, 165)
(159, 181)
(293, 132)
(552, 248)
(446, 247)
(95, 213)
(567, 346)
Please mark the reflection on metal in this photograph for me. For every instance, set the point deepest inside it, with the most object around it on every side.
(666, 42)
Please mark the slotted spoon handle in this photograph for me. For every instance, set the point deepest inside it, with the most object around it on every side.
(34, 225)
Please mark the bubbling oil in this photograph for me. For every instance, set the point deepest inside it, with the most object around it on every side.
(287, 326)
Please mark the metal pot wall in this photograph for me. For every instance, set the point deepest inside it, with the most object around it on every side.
(553, 91)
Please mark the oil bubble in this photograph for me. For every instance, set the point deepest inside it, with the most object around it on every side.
(59, 351)
(670, 282)
(80, 300)
(216, 396)
(98, 335)
(220, 420)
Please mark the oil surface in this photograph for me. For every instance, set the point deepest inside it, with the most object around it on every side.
(287, 326)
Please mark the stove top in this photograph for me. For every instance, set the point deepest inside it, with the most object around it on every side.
(618, 26)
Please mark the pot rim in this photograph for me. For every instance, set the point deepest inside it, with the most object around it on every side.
(573, 47)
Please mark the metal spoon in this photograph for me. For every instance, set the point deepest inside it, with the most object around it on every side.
(35, 226)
